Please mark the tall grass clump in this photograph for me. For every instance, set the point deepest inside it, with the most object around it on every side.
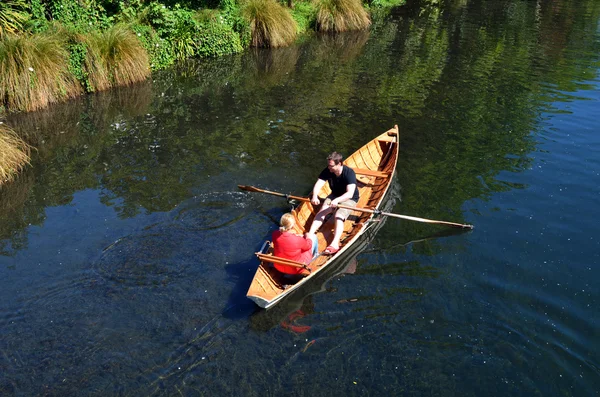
(270, 23)
(14, 154)
(34, 71)
(12, 16)
(341, 16)
(116, 55)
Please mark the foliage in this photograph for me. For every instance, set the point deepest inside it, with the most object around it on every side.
(34, 71)
(81, 15)
(13, 15)
(233, 16)
(217, 39)
(271, 24)
(385, 3)
(341, 16)
(118, 52)
(14, 154)
(191, 34)
(160, 52)
(304, 13)
(77, 56)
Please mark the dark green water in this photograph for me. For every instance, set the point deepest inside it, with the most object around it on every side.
(127, 248)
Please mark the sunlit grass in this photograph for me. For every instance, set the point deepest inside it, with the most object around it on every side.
(34, 71)
(341, 16)
(14, 154)
(12, 16)
(271, 24)
(116, 55)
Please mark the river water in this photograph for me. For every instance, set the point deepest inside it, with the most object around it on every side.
(126, 249)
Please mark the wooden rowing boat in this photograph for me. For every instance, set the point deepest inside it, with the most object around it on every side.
(299, 298)
(375, 167)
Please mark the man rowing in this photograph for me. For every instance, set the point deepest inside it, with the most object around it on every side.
(342, 181)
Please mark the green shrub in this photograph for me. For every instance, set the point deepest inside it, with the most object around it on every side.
(341, 15)
(77, 66)
(160, 52)
(81, 15)
(271, 24)
(233, 16)
(14, 154)
(304, 13)
(217, 39)
(385, 3)
(176, 25)
(34, 71)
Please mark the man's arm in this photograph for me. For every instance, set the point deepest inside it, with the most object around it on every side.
(346, 196)
(315, 192)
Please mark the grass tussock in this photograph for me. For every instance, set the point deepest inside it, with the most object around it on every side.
(341, 16)
(34, 71)
(12, 16)
(14, 154)
(271, 24)
(116, 57)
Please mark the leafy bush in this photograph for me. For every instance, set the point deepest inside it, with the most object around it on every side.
(271, 24)
(160, 52)
(233, 16)
(386, 3)
(304, 13)
(81, 15)
(77, 56)
(217, 39)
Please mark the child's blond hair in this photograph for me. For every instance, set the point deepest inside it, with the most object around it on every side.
(287, 222)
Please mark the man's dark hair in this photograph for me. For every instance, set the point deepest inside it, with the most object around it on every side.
(336, 157)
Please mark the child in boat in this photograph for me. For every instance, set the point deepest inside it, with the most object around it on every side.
(289, 245)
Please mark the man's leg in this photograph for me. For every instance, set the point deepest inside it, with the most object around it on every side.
(319, 218)
(340, 217)
(339, 229)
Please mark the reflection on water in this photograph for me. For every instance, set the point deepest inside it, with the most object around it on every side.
(127, 247)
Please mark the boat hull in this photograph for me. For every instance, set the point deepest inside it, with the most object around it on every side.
(375, 166)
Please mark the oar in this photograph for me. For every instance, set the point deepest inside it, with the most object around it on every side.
(287, 196)
(410, 218)
(377, 212)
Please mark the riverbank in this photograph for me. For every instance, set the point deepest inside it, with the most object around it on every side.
(58, 50)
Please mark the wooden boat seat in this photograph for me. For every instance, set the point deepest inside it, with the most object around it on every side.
(281, 261)
(364, 171)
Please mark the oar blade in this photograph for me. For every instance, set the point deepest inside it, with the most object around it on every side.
(249, 188)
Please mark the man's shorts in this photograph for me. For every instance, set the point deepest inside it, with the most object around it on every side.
(343, 213)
